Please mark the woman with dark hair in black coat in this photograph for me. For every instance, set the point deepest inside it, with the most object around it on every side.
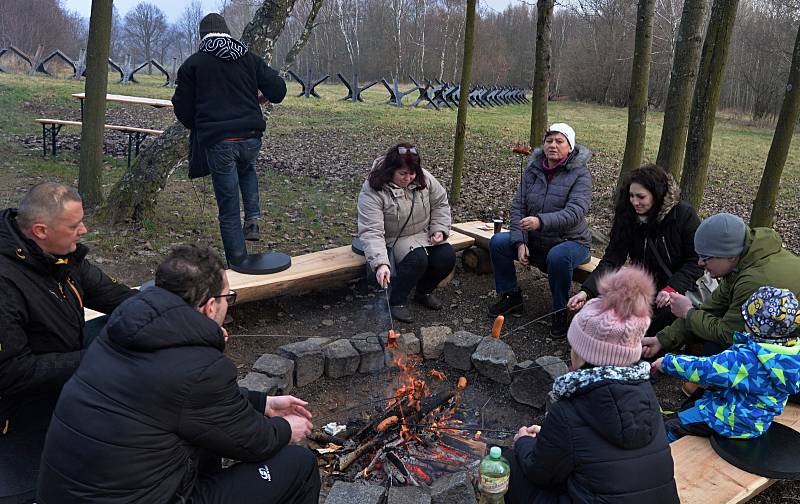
(654, 229)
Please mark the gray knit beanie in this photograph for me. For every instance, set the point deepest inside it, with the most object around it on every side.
(213, 23)
(721, 235)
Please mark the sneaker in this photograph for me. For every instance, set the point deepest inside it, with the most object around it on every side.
(251, 230)
(402, 314)
(510, 302)
(429, 301)
(558, 325)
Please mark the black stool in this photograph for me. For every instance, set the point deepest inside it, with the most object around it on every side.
(357, 247)
(262, 264)
(773, 455)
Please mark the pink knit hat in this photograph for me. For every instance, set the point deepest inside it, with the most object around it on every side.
(608, 331)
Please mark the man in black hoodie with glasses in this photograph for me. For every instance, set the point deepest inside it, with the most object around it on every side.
(217, 97)
(154, 406)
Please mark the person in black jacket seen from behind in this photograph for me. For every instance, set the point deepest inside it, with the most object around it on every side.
(655, 229)
(603, 438)
(46, 282)
(217, 97)
(155, 404)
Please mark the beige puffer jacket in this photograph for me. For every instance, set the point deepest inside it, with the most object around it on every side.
(381, 215)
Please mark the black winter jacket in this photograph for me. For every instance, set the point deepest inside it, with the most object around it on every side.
(217, 91)
(603, 441)
(671, 233)
(561, 204)
(41, 316)
(153, 390)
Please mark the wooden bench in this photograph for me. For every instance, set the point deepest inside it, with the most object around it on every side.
(483, 232)
(308, 272)
(705, 478)
(135, 135)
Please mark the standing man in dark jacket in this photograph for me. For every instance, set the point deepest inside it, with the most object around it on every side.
(155, 404)
(46, 283)
(217, 98)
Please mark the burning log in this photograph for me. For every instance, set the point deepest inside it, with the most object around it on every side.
(400, 465)
(347, 460)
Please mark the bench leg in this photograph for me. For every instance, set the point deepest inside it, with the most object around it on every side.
(54, 130)
(44, 140)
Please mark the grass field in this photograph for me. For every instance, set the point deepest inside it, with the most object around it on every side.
(317, 152)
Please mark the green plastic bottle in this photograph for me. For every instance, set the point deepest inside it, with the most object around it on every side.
(494, 474)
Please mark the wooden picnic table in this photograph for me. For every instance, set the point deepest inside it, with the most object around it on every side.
(135, 100)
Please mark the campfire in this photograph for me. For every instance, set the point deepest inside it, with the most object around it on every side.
(414, 440)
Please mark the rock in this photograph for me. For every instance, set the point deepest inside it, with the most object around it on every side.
(262, 383)
(371, 352)
(408, 495)
(455, 488)
(532, 387)
(327, 323)
(458, 349)
(355, 493)
(341, 359)
(408, 343)
(554, 366)
(433, 339)
(523, 365)
(278, 367)
(494, 359)
(309, 363)
(468, 321)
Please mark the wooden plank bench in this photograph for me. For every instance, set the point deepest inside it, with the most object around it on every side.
(135, 135)
(705, 478)
(483, 232)
(308, 272)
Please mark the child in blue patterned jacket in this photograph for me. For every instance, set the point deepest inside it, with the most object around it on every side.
(749, 383)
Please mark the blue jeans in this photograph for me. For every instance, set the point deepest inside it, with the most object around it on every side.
(559, 264)
(233, 169)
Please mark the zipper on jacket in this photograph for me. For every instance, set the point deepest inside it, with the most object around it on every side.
(664, 241)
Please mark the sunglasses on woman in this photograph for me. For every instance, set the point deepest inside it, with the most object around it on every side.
(406, 150)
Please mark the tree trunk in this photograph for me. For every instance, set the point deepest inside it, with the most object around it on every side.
(267, 24)
(94, 112)
(706, 98)
(300, 43)
(764, 204)
(541, 73)
(136, 193)
(637, 97)
(463, 103)
(681, 86)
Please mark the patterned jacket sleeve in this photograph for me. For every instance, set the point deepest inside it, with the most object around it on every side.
(725, 370)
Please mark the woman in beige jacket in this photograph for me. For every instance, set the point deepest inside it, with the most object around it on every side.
(403, 208)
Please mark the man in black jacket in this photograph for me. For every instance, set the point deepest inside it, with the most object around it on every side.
(46, 282)
(155, 404)
(217, 98)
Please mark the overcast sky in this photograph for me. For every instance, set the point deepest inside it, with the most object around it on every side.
(174, 8)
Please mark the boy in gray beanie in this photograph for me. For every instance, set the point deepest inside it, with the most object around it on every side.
(743, 259)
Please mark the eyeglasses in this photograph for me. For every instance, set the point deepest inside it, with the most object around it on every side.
(704, 258)
(230, 296)
(406, 150)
